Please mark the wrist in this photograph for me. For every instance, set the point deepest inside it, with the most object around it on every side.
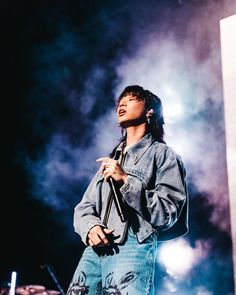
(124, 178)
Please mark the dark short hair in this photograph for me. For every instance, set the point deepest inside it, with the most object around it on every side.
(152, 101)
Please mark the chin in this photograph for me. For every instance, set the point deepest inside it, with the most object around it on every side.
(126, 124)
(122, 121)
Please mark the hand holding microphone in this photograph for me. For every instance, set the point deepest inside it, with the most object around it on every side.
(113, 172)
(111, 168)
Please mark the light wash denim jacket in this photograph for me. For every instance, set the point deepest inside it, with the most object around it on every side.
(155, 191)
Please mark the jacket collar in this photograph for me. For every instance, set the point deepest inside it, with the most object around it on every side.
(138, 149)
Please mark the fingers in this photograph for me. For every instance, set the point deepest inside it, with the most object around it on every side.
(97, 236)
(108, 173)
(94, 238)
(106, 163)
(108, 231)
(103, 159)
(111, 168)
(90, 242)
(108, 167)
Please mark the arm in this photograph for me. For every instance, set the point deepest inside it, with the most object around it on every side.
(160, 206)
(85, 213)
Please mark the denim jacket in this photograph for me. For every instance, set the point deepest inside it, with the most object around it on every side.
(155, 194)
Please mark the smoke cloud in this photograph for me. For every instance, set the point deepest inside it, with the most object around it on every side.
(171, 49)
(184, 68)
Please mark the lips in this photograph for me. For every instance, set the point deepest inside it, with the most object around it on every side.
(122, 112)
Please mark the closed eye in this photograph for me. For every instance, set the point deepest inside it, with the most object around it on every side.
(122, 103)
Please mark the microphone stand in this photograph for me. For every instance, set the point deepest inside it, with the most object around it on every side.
(53, 276)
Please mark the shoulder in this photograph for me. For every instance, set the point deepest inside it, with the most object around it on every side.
(164, 153)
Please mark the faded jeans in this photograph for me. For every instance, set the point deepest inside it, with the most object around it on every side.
(127, 269)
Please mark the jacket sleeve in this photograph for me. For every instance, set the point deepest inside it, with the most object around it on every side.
(161, 205)
(85, 213)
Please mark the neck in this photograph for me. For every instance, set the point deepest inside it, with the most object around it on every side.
(135, 133)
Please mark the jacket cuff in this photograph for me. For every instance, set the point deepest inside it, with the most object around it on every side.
(125, 187)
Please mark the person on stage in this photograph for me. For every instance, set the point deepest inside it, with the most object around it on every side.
(137, 199)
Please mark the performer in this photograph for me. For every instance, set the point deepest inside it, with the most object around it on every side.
(149, 181)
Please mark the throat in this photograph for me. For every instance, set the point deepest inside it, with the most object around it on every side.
(135, 134)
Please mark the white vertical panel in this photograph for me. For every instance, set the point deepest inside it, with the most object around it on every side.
(228, 53)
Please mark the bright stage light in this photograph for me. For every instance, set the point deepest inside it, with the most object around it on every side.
(173, 111)
(179, 149)
(13, 283)
(177, 257)
(173, 107)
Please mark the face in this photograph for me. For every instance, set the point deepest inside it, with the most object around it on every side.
(130, 111)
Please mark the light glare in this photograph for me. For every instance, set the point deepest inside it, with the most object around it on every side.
(177, 257)
(173, 111)
(13, 283)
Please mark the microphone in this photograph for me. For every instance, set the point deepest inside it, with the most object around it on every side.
(116, 196)
(116, 193)
(117, 199)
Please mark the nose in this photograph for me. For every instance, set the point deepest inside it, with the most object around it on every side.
(123, 104)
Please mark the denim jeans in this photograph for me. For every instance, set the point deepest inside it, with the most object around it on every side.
(127, 269)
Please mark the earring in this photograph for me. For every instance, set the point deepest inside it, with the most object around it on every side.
(149, 115)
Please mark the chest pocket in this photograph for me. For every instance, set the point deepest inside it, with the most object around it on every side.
(142, 175)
